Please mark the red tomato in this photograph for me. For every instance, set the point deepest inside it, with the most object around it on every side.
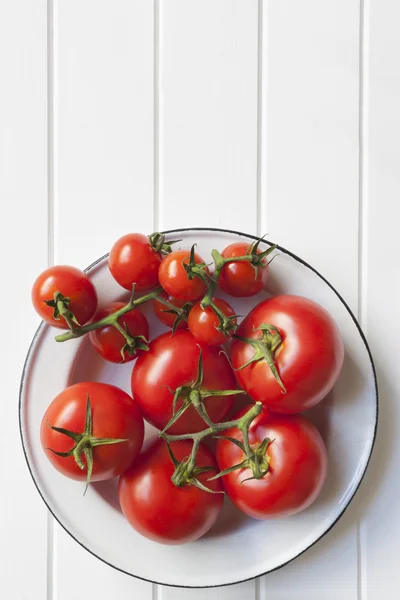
(133, 260)
(158, 509)
(241, 279)
(308, 361)
(204, 323)
(114, 416)
(174, 279)
(172, 362)
(77, 296)
(297, 460)
(169, 318)
(109, 342)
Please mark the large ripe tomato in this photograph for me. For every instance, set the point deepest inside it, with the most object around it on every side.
(64, 296)
(174, 278)
(297, 465)
(114, 416)
(204, 323)
(134, 260)
(109, 342)
(172, 362)
(165, 314)
(158, 509)
(241, 279)
(308, 361)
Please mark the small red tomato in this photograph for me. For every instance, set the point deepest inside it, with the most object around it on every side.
(242, 279)
(158, 509)
(109, 342)
(64, 296)
(174, 278)
(204, 324)
(172, 362)
(308, 359)
(112, 434)
(134, 260)
(164, 314)
(296, 460)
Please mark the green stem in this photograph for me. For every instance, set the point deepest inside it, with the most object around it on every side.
(110, 319)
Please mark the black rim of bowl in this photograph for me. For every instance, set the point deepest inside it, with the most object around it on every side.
(303, 262)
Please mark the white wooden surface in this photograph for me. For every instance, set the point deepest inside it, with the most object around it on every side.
(259, 115)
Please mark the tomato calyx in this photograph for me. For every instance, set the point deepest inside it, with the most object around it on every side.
(84, 443)
(182, 313)
(256, 458)
(112, 319)
(133, 343)
(158, 243)
(194, 269)
(186, 471)
(265, 347)
(194, 395)
(60, 304)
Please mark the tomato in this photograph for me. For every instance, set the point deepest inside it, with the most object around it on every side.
(134, 260)
(64, 296)
(242, 279)
(115, 418)
(171, 362)
(204, 323)
(164, 314)
(174, 278)
(158, 509)
(297, 465)
(109, 342)
(308, 360)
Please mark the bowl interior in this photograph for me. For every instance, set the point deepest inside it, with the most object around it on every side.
(346, 419)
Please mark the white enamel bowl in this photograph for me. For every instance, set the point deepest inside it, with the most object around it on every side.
(347, 420)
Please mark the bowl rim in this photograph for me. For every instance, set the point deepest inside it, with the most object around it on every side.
(362, 335)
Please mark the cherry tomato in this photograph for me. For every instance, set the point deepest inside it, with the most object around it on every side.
(114, 416)
(297, 465)
(75, 294)
(133, 260)
(172, 362)
(241, 279)
(204, 323)
(158, 509)
(169, 318)
(174, 279)
(308, 361)
(109, 342)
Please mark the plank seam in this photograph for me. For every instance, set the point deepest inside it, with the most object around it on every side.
(156, 589)
(363, 206)
(156, 124)
(260, 118)
(51, 533)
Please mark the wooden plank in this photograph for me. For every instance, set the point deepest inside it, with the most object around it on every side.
(104, 124)
(309, 204)
(103, 110)
(208, 114)
(23, 245)
(208, 137)
(311, 115)
(381, 290)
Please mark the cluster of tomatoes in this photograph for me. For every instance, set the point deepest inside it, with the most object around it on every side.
(284, 356)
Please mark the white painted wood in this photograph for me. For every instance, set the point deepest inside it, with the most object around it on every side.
(311, 105)
(208, 113)
(103, 112)
(381, 287)
(208, 136)
(103, 84)
(23, 247)
(309, 200)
